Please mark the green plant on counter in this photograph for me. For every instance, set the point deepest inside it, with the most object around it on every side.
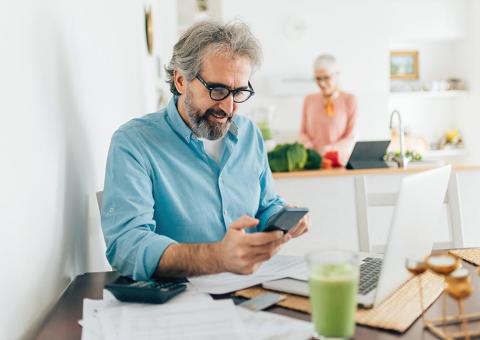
(292, 157)
(410, 154)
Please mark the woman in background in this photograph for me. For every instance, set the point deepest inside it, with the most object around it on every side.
(329, 116)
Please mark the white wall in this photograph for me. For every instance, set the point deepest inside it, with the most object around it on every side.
(294, 33)
(360, 34)
(71, 73)
(470, 118)
(427, 19)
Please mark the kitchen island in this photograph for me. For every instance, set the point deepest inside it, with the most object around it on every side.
(332, 195)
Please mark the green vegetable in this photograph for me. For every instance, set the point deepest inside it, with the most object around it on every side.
(287, 157)
(277, 158)
(314, 160)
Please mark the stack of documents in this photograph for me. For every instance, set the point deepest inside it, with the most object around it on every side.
(194, 314)
(112, 319)
(190, 315)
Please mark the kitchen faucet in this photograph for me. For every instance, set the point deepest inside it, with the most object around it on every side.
(402, 161)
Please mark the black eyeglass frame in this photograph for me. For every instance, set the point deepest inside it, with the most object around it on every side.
(211, 87)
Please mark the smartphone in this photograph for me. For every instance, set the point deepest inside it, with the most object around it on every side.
(285, 219)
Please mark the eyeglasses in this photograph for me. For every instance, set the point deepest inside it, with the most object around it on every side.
(326, 78)
(219, 92)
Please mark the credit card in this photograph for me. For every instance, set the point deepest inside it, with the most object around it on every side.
(262, 301)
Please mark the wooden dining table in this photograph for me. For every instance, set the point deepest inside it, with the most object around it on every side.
(62, 320)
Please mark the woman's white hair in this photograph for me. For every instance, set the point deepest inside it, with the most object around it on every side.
(326, 61)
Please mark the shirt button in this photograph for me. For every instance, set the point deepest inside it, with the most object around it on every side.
(225, 212)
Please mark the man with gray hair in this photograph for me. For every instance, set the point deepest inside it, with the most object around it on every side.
(188, 189)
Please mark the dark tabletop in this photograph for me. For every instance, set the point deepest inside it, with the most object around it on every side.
(62, 320)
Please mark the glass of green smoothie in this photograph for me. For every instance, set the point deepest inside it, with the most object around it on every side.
(333, 282)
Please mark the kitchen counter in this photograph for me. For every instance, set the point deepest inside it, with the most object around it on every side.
(380, 171)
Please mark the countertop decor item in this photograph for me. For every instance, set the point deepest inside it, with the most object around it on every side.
(404, 65)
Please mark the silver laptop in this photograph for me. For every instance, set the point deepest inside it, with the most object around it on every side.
(416, 214)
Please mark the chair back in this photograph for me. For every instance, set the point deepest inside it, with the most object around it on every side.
(99, 199)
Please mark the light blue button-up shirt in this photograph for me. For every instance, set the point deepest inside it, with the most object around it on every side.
(162, 187)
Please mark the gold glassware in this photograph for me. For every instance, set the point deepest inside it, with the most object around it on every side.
(418, 267)
(459, 287)
(443, 264)
(459, 284)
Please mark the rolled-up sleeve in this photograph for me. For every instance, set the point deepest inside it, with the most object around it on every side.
(133, 247)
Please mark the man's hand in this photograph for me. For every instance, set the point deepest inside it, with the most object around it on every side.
(301, 227)
(241, 252)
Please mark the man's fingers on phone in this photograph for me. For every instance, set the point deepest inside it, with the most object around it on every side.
(266, 253)
(262, 238)
(295, 231)
(270, 248)
(298, 230)
(301, 228)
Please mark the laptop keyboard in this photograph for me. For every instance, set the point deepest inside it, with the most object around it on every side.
(369, 274)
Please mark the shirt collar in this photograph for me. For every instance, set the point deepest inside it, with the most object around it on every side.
(177, 123)
(183, 130)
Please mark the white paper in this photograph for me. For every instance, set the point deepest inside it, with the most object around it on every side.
(102, 318)
(278, 267)
(302, 273)
(282, 265)
(90, 317)
(140, 321)
(270, 326)
(208, 320)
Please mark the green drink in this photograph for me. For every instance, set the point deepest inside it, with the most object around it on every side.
(333, 282)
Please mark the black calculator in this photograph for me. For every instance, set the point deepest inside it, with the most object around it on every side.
(151, 291)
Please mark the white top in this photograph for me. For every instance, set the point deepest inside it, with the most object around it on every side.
(214, 148)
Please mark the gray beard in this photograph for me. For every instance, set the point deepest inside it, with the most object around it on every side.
(200, 124)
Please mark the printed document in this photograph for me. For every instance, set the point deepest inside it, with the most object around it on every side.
(278, 267)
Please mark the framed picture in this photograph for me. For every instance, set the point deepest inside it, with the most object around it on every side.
(404, 65)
